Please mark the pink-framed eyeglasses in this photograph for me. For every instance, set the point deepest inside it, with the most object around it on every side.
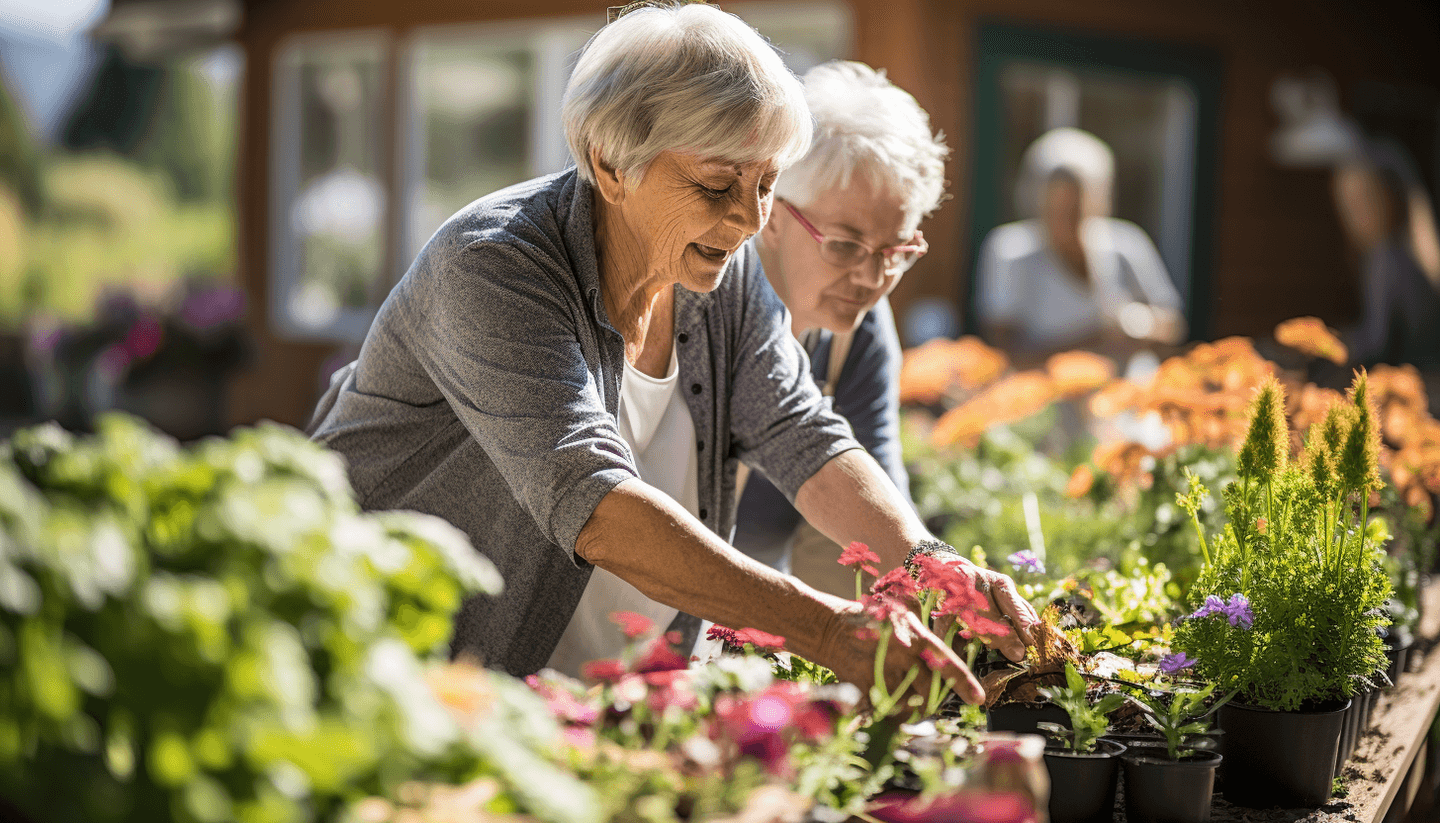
(844, 252)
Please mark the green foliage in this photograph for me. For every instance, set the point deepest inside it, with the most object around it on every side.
(1181, 719)
(1297, 548)
(1088, 721)
(1267, 442)
(214, 632)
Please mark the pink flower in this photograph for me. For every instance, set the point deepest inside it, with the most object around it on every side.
(859, 554)
(760, 640)
(143, 338)
(764, 726)
(632, 624)
(562, 703)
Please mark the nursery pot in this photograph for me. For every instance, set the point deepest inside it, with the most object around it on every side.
(1284, 759)
(1082, 786)
(1398, 654)
(1161, 790)
(1023, 718)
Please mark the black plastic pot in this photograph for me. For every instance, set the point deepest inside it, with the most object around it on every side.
(1022, 718)
(1347, 735)
(1082, 786)
(1161, 790)
(1398, 655)
(1284, 759)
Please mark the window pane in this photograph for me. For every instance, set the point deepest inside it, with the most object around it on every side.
(471, 123)
(806, 33)
(329, 152)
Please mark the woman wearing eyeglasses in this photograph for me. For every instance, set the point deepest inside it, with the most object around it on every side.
(843, 232)
(572, 368)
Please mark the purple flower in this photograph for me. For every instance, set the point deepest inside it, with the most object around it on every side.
(1026, 561)
(1238, 610)
(1172, 663)
(1212, 605)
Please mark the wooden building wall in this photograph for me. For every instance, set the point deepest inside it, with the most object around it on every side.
(1277, 248)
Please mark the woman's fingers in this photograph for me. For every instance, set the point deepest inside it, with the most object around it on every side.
(929, 649)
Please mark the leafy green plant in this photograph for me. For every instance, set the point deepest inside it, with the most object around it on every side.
(1088, 721)
(1182, 720)
(215, 632)
(1293, 588)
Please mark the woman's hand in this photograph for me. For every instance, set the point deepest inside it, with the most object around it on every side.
(851, 642)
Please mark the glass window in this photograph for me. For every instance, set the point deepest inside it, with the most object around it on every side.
(329, 187)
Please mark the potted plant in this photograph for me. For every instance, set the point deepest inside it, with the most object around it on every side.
(1289, 597)
(1084, 767)
(1175, 783)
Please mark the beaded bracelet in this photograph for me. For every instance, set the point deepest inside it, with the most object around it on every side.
(928, 547)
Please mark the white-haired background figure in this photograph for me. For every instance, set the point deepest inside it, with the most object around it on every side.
(1070, 274)
(845, 229)
(572, 367)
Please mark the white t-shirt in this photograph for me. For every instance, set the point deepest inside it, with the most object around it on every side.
(1022, 282)
(656, 424)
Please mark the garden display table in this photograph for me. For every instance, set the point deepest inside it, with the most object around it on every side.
(1387, 768)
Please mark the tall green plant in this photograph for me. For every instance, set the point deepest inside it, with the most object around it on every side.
(1290, 598)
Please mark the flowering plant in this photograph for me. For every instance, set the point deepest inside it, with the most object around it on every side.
(1291, 592)
(1182, 720)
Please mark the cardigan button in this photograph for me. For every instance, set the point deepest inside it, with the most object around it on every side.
(704, 513)
(700, 445)
(694, 388)
(683, 337)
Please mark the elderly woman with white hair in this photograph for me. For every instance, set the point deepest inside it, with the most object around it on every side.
(1070, 275)
(572, 367)
(846, 230)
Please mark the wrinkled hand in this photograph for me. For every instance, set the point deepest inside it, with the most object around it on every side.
(849, 650)
(1006, 606)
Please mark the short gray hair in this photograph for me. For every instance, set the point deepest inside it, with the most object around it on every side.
(865, 124)
(1069, 150)
(691, 79)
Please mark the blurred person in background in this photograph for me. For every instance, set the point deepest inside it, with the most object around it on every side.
(1387, 219)
(1070, 275)
(845, 230)
(572, 366)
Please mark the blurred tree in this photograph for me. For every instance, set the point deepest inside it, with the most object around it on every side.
(119, 108)
(20, 156)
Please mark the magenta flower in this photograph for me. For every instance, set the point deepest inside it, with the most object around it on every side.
(1026, 561)
(1172, 663)
(659, 656)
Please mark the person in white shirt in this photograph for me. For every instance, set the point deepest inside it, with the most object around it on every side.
(1070, 275)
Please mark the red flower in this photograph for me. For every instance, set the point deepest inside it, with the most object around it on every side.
(605, 671)
(660, 657)
(859, 554)
(760, 640)
(632, 624)
(724, 635)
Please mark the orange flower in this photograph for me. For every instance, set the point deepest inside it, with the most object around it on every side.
(930, 370)
(925, 373)
(1014, 398)
(1081, 481)
(1309, 335)
(462, 687)
(1117, 397)
(1078, 372)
